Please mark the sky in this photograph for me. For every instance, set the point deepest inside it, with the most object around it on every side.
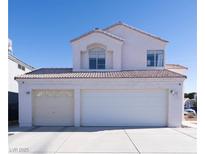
(41, 30)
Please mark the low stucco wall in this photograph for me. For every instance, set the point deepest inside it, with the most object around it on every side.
(173, 86)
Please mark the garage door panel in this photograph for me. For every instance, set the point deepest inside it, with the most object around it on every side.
(53, 107)
(124, 108)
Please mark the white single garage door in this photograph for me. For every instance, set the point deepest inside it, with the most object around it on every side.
(53, 107)
(124, 108)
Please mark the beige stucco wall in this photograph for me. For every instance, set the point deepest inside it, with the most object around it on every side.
(131, 54)
(134, 49)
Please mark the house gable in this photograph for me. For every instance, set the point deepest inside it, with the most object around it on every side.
(97, 31)
(136, 46)
(126, 48)
(97, 39)
(134, 29)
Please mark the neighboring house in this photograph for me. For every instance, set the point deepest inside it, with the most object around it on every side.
(15, 67)
(190, 101)
(118, 78)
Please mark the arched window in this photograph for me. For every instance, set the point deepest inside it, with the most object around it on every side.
(96, 58)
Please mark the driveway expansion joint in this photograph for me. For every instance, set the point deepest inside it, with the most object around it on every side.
(64, 142)
(132, 141)
(184, 133)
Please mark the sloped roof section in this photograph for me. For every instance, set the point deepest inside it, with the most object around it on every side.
(98, 31)
(135, 29)
(175, 66)
(15, 59)
(67, 73)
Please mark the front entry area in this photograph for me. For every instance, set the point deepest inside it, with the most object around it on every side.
(124, 107)
(52, 107)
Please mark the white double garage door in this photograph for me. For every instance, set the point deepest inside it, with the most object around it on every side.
(101, 107)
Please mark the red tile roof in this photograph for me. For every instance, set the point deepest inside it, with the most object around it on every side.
(67, 73)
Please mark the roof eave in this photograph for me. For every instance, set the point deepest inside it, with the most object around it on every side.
(27, 78)
(15, 59)
(96, 31)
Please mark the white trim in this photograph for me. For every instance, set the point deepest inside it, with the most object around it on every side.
(77, 107)
(115, 37)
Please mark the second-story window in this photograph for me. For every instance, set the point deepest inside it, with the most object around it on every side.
(21, 67)
(155, 58)
(97, 58)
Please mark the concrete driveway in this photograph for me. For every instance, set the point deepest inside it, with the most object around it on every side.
(97, 140)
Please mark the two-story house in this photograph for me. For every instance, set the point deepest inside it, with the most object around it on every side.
(118, 78)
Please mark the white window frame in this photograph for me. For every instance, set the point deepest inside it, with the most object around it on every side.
(97, 53)
(155, 52)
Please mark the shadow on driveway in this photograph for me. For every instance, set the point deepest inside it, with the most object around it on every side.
(69, 129)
